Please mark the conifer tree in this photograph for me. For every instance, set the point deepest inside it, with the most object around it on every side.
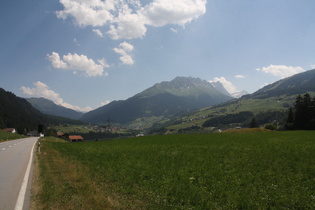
(253, 123)
(304, 113)
(290, 120)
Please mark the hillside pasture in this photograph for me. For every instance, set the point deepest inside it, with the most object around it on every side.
(256, 106)
(251, 170)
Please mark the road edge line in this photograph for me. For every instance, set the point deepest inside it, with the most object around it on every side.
(20, 201)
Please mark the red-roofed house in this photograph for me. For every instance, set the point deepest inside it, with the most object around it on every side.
(73, 138)
(63, 135)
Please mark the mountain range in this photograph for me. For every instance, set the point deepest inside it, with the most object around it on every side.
(163, 100)
(294, 85)
(48, 107)
(18, 113)
(159, 103)
(268, 105)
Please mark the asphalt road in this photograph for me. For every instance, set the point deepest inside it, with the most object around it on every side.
(14, 159)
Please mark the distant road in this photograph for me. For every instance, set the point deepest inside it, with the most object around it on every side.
(14, 159)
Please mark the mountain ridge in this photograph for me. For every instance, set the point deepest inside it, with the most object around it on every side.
(163, 99)
(295, 84)
(269, 104)
(47, 106)
(16, 112)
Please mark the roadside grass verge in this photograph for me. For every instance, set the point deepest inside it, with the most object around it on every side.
(4, 136)
(63, 183)
(200, 171)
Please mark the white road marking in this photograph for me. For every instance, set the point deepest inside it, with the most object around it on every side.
(20, 201)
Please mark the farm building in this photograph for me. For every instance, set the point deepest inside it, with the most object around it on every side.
(33, 133)
(63, 135)
(10, 130)
(73, 138)
(60, 134)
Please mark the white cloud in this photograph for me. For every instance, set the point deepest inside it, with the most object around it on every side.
(129, 26)
(239, 76)
(87, 12)
(227, 84)
(42, 90)
(56, 62)
(103, 63)
(174, 30)
(128, 19)
(281, 71)
(75, 62)
(124, 50)
(313, 66)
(105, 103)
(98, 32)
(125, 19)
(180, 12)
(126, 46)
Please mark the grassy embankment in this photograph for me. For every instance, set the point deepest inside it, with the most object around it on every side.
(201, 171)
(4, 136)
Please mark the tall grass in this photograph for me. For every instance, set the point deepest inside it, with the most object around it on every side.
(228, 170)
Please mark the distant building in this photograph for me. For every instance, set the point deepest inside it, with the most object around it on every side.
(10, 130)
(60, 134)
(63, 135)
(33, 133)
(75, 138)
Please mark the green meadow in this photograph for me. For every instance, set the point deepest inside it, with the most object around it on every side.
(4, 136)
(200, 171)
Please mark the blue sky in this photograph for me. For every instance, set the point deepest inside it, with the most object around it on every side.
(85, 53)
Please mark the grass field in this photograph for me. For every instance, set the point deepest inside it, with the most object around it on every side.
(201, 171)
(4, 136)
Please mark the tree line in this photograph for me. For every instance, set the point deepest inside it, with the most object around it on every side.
(302, 115)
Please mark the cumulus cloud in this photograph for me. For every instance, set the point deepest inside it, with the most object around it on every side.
(122, 19)
(128, 19)
(127, 26)
(227, 84)
(75, 62)
(42, 90)
(281, 71)
(87, 12)
(124, 50)
(56, 62)
(98, 32)
(239, 76)
(180, 12)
